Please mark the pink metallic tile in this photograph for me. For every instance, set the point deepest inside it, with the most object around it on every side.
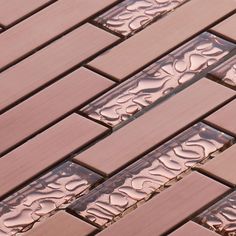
(43, 197)
(131, 15)
(226, 72)
(123, 192)
(221, 217)
(159, 79)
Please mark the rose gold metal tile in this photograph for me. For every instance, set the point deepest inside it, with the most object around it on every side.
(193, 229)
(226, 72)
(62, 224)
(221, 217)
(11, 11)
(159, 79)
(224, 118)
(110, 200)
(47, 64)
(169, 208)
(45, 150)
(44, 26)
(129, 142)
(226, 28)
(223, 167)
(131, 15)
(44, 196)
(50, 104)
(160, 37)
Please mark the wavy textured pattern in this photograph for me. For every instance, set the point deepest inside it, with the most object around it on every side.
(158, 80)
(131, 15)
(221, 217)
(110, 200)
(226, 72)
(44, 196)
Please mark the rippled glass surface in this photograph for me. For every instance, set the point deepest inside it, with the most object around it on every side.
(124, 191)
(159, 79)
(130, 15)
(221, 217)
(226, 72)
(44, 196)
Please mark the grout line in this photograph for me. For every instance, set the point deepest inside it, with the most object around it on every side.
(43, 45)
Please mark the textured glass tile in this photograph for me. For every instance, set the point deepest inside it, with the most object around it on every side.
(159, 79)
(221, 217)
(131, 15)
(136, 183)
(44, 196)
(226, 72)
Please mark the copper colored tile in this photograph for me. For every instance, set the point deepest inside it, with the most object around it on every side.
(223, 167)
(48, 105)
(62, 224)
(124, 191)
(131, 15)
(129, 142)
(46, 149)
(224, 118)
(221, 217)
(226, 72)
(192, 229)
(44, 26)
(159, 79)
(44, 196)
(227, 28)
(161, 36)
(13, 10)
(169, 208)
(48, 63)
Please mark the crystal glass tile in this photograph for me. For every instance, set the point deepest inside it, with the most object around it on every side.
(130, 15)
(226, 72)
(221, 217)
(159, 79)
(136, 183)
(43, 197)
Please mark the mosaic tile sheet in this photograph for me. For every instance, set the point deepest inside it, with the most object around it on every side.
(110, 200)
(131, 15)
(226, 72)
(221, 217)
(158, 80)
(44, 196)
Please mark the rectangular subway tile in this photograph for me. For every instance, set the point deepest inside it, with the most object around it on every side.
(45, 65)
(224, 118)
(169, 208)
(44, 197)
(130, 15)
(193, 229)
(226, 28)
(156, 125)
(50, 104)
(221, 217)
(11, 11)
(44, 26)
(223, 167)
(226, 72)
(46, 149)
(158, 79)
(124, 191)
(160, 37)
(62, 224)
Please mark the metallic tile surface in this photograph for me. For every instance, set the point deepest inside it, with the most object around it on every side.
(109, 201)
(159, 79)
(131, 15)
(226, 72)
(43, 197)
(221, 217)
